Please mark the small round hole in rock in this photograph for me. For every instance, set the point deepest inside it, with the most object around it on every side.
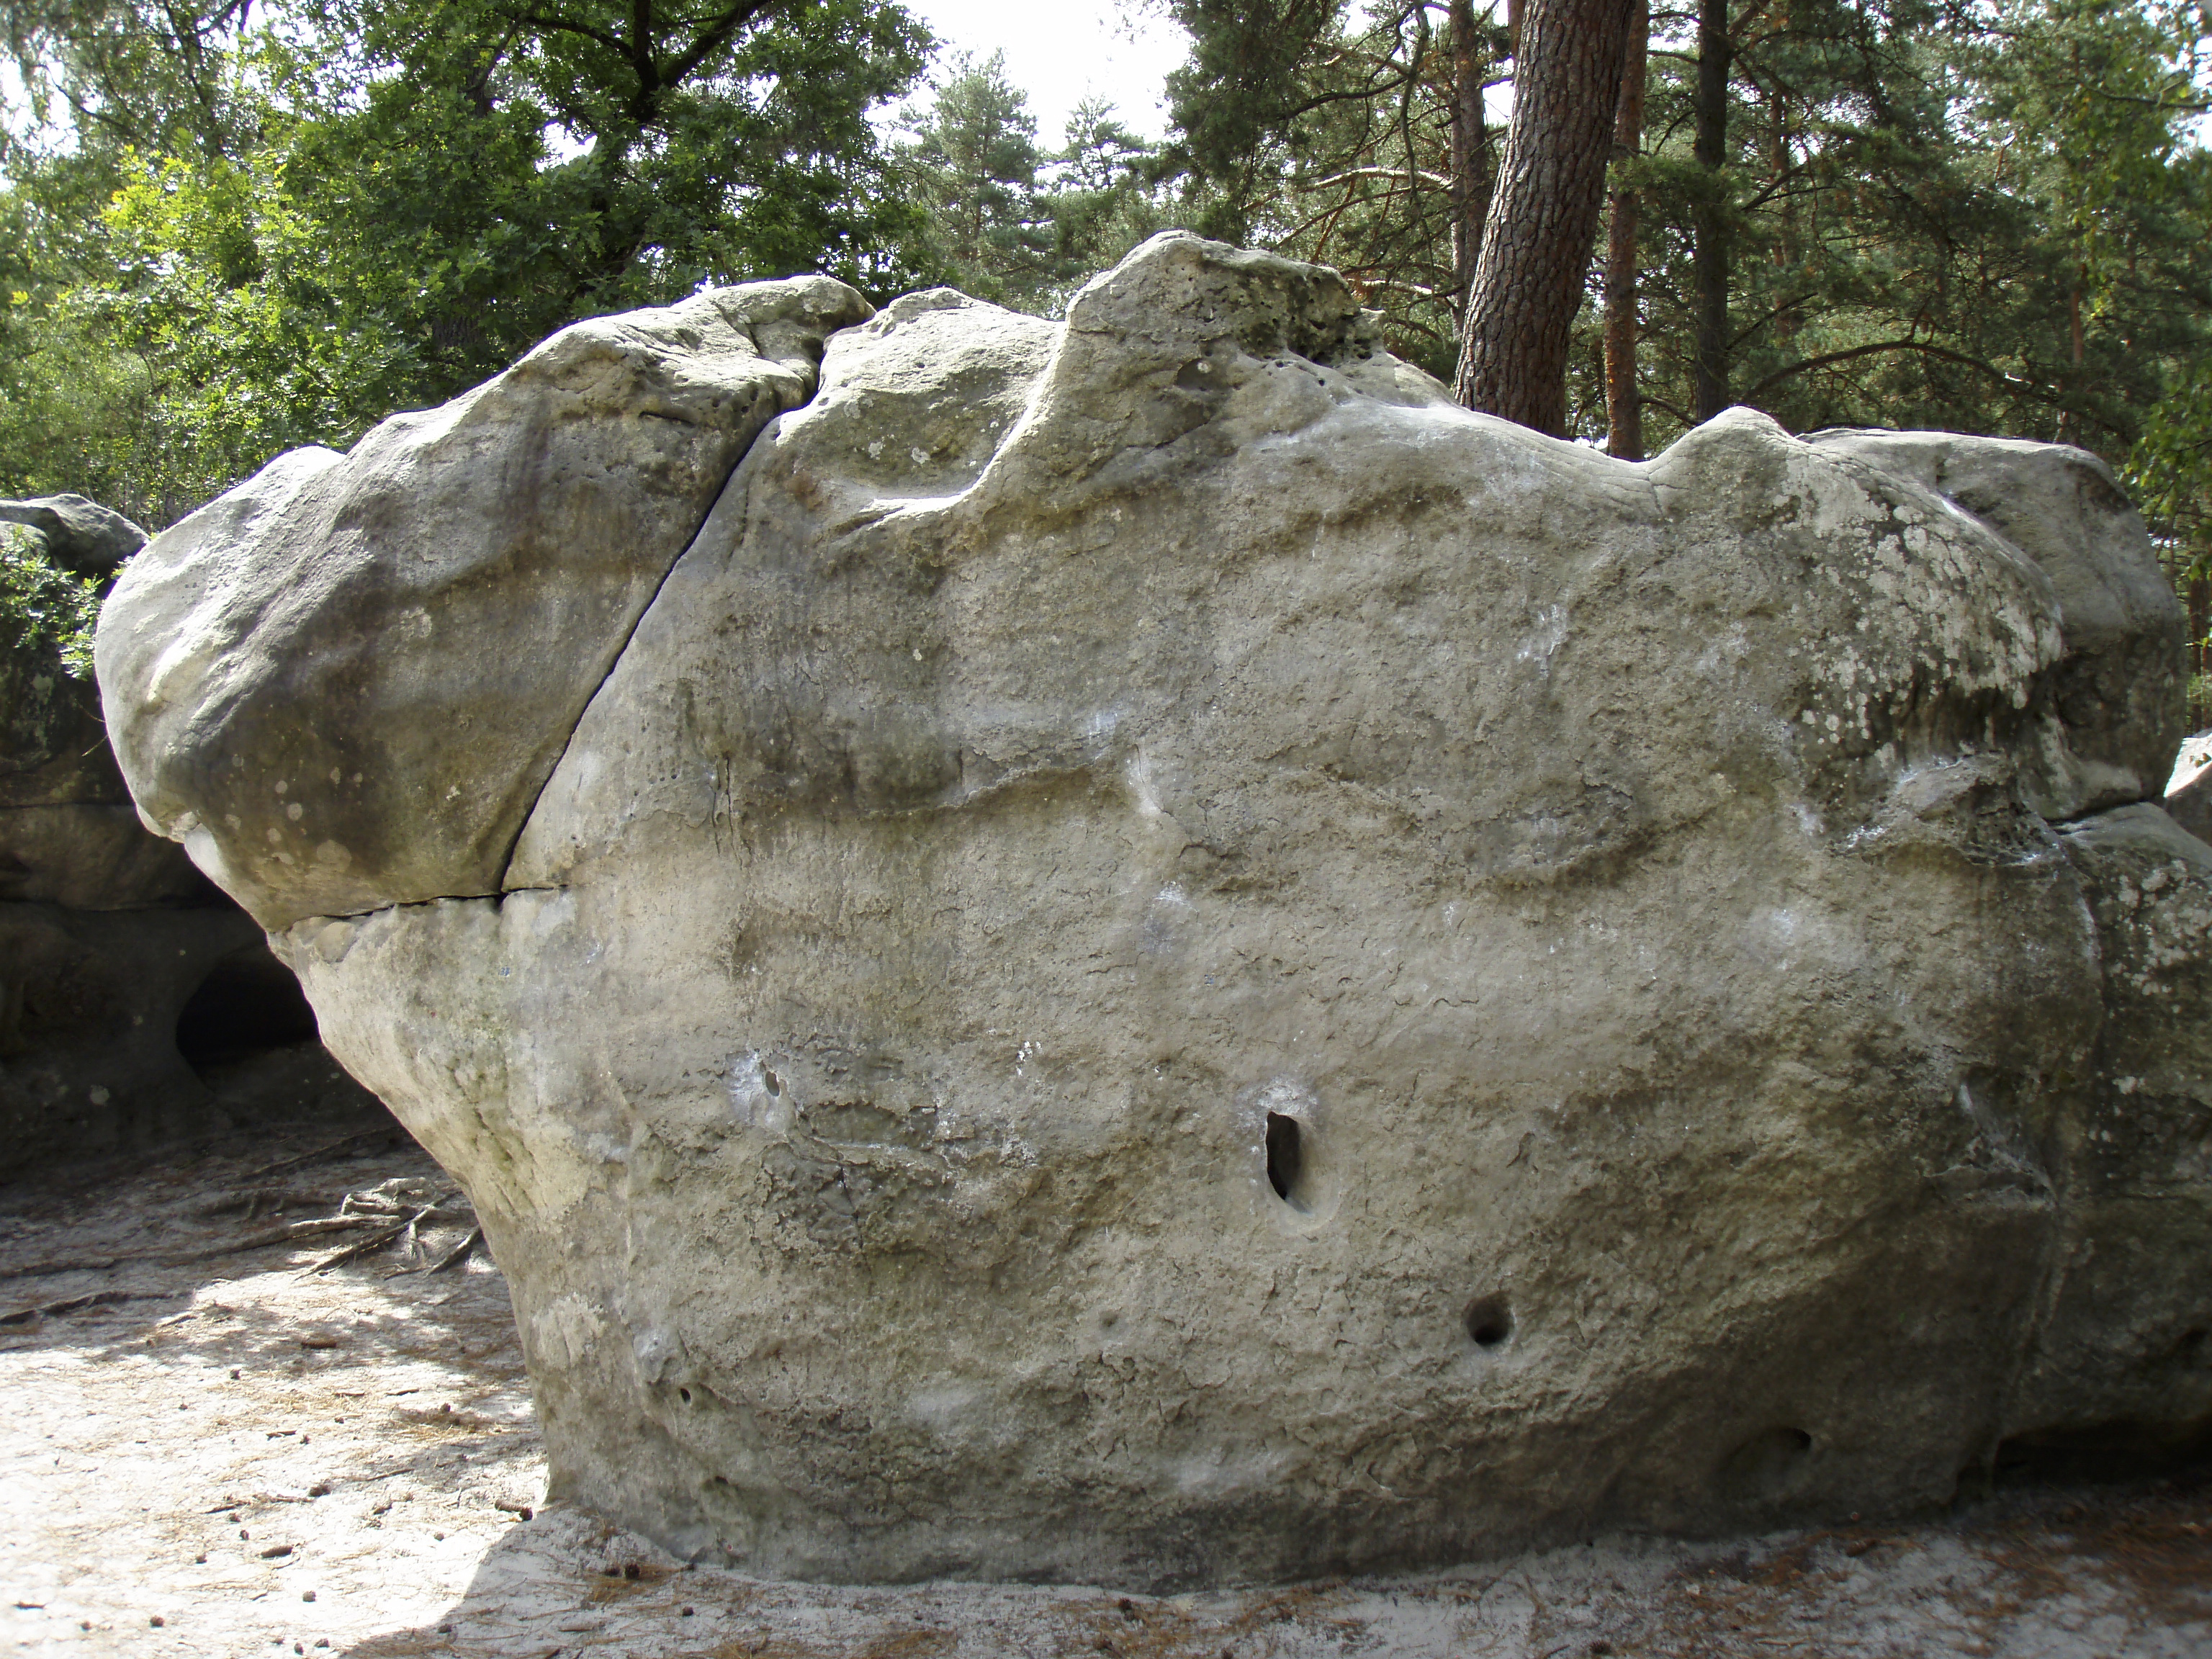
(1285, 1155)
(1489, 1320)
(685, 1395)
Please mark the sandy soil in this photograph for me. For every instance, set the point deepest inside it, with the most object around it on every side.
(214, 1451)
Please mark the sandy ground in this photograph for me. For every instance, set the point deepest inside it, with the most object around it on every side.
(230, 1454)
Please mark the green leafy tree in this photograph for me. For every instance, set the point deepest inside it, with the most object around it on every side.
(1245, 104)
(44, 608)
(1985, 215)
(1988, 215)
(1102, 195)
(124, 74)
(1011, 222)
(718, 142)
(1353, 136)
(1901, 214)
(268, 232)
(973, 168)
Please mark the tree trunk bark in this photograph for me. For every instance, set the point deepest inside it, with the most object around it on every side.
(1786, 244)
(2070, 419)
(1624, 404)
(1709, 368)
(1470, 154)
(1543, 210)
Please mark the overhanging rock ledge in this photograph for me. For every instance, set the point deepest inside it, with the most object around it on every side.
(1156, 957)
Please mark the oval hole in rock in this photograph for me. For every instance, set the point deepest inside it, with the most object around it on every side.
(1286, 1157)
(248, 1004)
(1489, 1320)
(1766, 1465)
(686, 1395)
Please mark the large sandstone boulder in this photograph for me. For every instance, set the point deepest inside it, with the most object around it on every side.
(1165, 958)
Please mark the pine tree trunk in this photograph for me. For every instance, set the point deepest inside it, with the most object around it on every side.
(1624, 404)
(2069, 422)
(1709, 368)
(1470, 154)
(1786, 244)
(1544, 210)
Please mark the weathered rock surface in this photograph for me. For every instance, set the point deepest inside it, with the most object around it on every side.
(69, 835)
(349, 677)
(90, 1005)
(2188, 803)
(80, 534)
(2119, 688)
(1165, 958)
(53, 744)
(94, 855)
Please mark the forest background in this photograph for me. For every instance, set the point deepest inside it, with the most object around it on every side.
(231, 227)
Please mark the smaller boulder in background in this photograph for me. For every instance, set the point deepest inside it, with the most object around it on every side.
(137, 1003)
(2189, 792)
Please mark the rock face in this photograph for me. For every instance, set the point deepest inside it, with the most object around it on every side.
(360, 669)
(2123, 676)
(2188, 803)
(123, 972)
(69, 834)
(80, 535)
(1165, 958)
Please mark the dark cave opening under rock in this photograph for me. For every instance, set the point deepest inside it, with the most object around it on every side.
(249, 1004)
